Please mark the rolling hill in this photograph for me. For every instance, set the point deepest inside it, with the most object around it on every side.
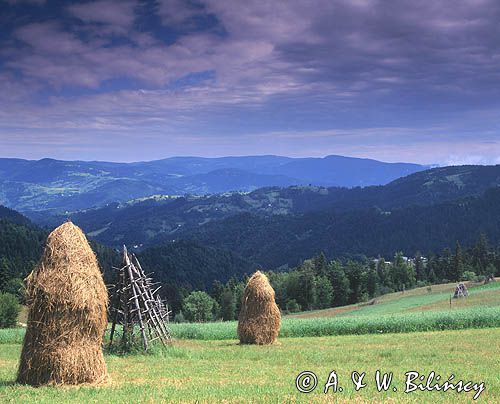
(185, 263)
(194, 240)
(66, 186)
(286, 240)
(300, 209)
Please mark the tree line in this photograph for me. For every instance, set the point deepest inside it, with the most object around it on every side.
(318, 283)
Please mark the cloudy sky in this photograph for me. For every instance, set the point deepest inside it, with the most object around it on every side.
(128, 80)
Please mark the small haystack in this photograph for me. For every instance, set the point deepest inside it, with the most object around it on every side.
(67, 314)
(489, 278)
(260, 318)
(461, 291)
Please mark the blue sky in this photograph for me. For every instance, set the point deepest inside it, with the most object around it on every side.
(139, 80)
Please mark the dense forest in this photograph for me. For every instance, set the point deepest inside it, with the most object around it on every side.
(21, 246)
(286, 240)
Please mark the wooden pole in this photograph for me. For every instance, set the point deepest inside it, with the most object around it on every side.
(152, 313)
(136, 300)
(117, 299)
(135, 303)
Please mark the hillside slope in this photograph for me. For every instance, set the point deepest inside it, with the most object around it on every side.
(286, 240)
(176, 265)
(154, 220)
(425, 299)
(62, 186)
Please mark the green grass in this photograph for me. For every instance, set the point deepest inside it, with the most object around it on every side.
(418, 299)
(416, 310)
(379, 324)
(12, 336)
(476, 317)
(439, 300)
(206, 364)
(216, 371)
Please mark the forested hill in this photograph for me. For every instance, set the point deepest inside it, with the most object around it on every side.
(21, 245)
(65, 186)
(13, 216)
(286, 240)
(189, 265)
(192, 241)
(185, 264)
(148, 222)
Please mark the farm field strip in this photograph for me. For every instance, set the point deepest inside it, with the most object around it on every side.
(396, 313)
(476, 317)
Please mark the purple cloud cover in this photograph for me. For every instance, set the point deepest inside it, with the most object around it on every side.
(135, 80)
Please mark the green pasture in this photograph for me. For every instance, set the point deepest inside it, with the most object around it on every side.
(224, 371)
(414, 331)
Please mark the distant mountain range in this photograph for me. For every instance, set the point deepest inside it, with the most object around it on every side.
(279, 226)
(67, 186)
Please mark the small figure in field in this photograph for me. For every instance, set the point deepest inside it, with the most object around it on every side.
(67, 316)
(260, 318)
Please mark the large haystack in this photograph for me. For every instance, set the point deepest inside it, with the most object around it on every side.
(67, 314)
(260, 318)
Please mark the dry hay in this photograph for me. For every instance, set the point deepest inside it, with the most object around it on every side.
(260, 318)
(67, 317)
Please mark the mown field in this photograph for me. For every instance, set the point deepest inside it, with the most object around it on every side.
(206, 364)
(223, 371)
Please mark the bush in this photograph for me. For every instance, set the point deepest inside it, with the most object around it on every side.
(469, 276)
(198, 307)
(179, 317)
(9, 310)
(292, 306)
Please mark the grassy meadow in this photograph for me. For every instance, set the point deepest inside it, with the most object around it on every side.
(206, 364)
(215, 371)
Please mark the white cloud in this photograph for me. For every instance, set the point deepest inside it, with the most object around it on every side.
(116, 16)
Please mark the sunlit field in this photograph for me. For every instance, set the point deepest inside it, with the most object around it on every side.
(398, 333)
(211, 371)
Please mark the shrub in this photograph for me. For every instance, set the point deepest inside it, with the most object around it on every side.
(15, 287)
(469, 276)
(179, 317)
(9, 310)
(198, 307)
(292, 306)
